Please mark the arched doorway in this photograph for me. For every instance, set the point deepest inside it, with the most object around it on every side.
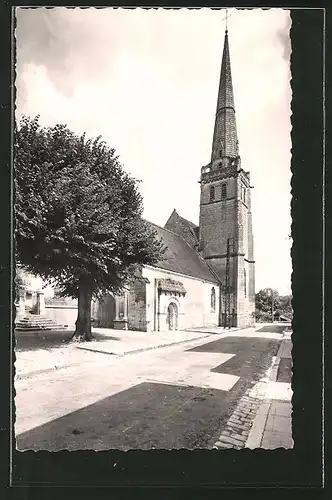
(172, 316)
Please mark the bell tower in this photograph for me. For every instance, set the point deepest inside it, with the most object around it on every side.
(226, 239)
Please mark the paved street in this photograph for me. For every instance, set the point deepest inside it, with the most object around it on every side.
(180, 396)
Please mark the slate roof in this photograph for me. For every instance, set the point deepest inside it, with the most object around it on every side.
(181, 257)
(194, 228)
(183, 227)
(225, 138)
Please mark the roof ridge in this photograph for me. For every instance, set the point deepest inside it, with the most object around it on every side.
(189, 221)
(191, 225)
(209, 276)
(182, 238)
(194, 250)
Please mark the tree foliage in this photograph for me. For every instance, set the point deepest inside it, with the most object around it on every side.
(78, 213)
(282, 305)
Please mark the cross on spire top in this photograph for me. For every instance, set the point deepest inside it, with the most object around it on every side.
(226, 20)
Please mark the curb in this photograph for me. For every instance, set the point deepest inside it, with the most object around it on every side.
(144, 349)
(256, 433)
(224, 330)
(24, 376)
(274, 372)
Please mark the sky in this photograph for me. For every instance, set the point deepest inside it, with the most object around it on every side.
(146, 80)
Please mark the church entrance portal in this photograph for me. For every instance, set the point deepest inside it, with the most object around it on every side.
(172, 316)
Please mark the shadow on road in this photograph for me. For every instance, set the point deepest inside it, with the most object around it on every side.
(253, 356)
(146, 415)
(273, 328)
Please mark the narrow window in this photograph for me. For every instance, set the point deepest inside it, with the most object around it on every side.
(212, 193)
(213, 299)
(244, 194)
(245, 282)
(223, 191)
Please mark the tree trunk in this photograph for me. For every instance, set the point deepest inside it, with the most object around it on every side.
(83, 322)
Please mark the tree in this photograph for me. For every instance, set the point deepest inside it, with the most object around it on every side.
(281, 306)
(285, 306)
(266, 301)
(78, 215)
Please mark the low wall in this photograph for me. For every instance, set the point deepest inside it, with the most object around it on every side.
(63, 315)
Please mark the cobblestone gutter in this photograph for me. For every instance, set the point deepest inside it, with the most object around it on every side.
(237, 429)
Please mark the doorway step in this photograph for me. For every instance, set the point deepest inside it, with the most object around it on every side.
(32, 322)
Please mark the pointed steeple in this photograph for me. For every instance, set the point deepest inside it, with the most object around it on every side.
(225, 141)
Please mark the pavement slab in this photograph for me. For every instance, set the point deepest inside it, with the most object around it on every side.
(272, 427)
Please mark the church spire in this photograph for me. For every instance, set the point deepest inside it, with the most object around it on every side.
(225, 142)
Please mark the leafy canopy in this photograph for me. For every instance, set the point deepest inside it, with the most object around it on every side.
(282, 304)
(78, 213)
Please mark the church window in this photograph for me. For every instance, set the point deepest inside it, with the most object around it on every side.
(213, 299)
(223, 191)
(212, 193)
(245, 282)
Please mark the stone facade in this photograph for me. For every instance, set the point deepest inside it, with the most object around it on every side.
(149, 302)
(138, 318)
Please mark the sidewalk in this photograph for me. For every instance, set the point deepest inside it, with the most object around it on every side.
(40, 352)
(272, 426)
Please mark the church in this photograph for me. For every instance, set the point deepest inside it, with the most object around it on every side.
(207, 275)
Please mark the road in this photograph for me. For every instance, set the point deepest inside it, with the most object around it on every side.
(176, 397)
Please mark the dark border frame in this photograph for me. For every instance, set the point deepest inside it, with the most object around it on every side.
(300, 467)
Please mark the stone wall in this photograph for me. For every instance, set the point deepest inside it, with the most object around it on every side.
(137, 307)
(217, 219)
(63, 315)
(251, 264)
